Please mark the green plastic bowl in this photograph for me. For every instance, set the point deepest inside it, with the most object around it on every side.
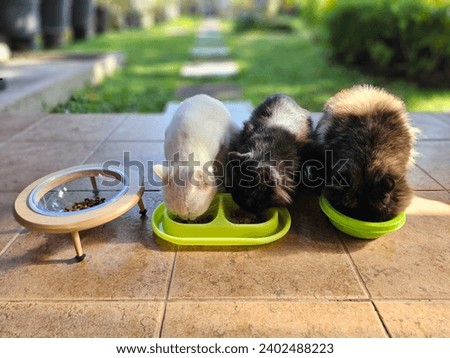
(358, 228)
(221, 230)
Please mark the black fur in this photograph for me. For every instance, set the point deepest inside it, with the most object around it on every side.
(263, 168)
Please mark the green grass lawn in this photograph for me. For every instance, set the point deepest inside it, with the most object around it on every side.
(297, 65)
(153, 61)
(292, 63)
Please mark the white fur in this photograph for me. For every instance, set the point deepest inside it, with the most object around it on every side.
(202, 126)
(285, 109)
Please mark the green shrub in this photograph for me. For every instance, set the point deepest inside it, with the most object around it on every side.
(313, 11)
(249, 21)
(245, 22)
(408, 38)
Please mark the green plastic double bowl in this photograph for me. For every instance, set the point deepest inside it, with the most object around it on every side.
(221, 230)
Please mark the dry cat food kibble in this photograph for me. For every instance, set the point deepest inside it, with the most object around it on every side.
(200, 220)
(87, 203)
(239, 216)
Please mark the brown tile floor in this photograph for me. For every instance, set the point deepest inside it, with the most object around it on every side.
(315, 282)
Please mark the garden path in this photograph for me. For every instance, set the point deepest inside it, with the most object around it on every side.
(211, 62)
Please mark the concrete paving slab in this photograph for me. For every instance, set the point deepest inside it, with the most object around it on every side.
(271, 319)
(141, 127)
(76, 128)
(433, 126)
(411, 263)
(209, 42)
(21, 163)
(209, 26)
(210, 52)
(210, 69)
(13, 125)
(38, 83)
(421, 180)
(103, 319)
(210, 35)
(221, 91)
(416, 319)
(429, 158)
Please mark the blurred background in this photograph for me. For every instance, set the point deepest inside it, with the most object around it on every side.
(309, 49)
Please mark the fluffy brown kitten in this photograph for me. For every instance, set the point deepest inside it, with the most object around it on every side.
(368, 142)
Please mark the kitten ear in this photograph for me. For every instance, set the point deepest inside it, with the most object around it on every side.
(239, 156)
(388, 183)
(162, 172)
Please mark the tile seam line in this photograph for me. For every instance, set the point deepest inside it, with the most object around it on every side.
(224, 300)
(10, 243)
(434, 140)
(353, 265)
(429, 175)
(287, 299)
(27, 129)
(380, 317)
(86, 158)
(166, 298)
(75, 300)
(363, 284)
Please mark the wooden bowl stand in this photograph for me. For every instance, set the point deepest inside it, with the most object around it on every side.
(73, 222)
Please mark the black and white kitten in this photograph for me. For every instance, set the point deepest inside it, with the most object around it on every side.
(367, 133)
(263, 168)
